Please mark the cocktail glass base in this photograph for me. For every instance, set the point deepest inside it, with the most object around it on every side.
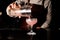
(31, 33)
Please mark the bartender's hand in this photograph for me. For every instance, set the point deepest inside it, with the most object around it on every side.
(43, 27)
(37, 28)
(11, 10)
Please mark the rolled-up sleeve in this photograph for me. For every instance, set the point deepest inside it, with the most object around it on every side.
(38, 2)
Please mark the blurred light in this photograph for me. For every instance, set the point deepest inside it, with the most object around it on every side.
(10, 37)
(0, 13)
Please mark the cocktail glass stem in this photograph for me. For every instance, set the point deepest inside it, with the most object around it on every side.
(31, 29)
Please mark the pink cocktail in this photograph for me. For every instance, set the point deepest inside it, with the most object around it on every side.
(31, 22)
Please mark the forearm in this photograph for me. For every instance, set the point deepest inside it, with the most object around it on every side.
(47, 22)
(48, 17)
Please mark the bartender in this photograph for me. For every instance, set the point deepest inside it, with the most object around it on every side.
(40, 9)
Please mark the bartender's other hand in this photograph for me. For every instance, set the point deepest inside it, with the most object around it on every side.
(38, 28)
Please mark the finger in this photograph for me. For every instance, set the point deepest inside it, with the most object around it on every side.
(12, 5)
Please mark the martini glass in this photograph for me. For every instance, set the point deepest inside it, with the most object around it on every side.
(31, 22)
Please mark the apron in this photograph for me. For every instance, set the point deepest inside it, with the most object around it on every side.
(39, 12)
